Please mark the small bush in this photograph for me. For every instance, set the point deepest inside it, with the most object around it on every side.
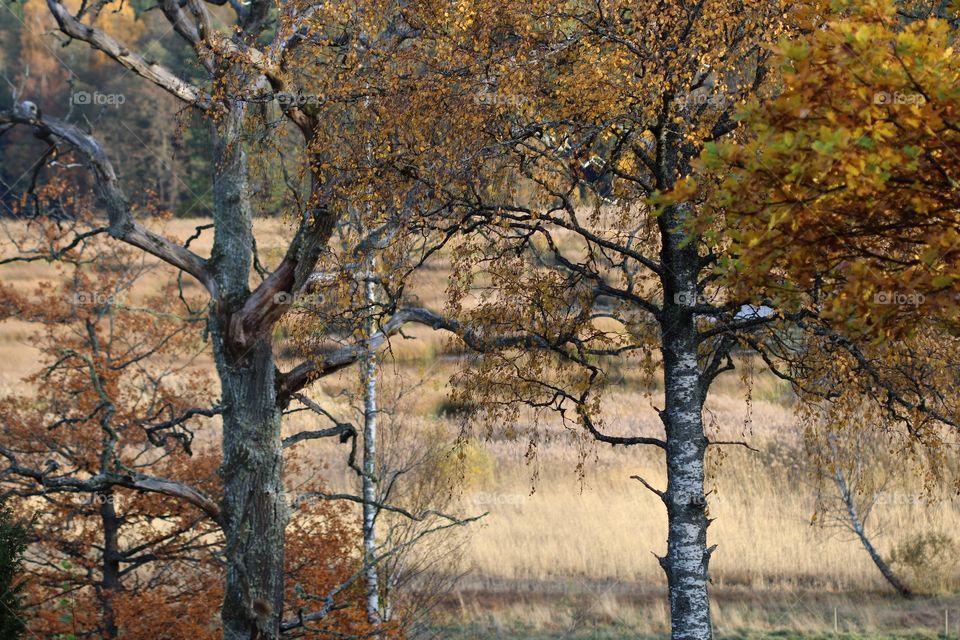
(456, 409)
(927, 561)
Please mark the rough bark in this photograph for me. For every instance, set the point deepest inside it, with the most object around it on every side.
(110, 583)
(687, 555)
(254, 509)
(254, 512)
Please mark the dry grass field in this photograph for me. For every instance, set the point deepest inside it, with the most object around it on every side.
(560, 554)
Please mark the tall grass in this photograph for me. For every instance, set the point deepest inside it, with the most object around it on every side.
(559, 546)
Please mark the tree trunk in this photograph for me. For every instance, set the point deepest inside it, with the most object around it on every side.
(687, 554)
(369, 478)
(110, 583)
(254, 508)
(856, 523)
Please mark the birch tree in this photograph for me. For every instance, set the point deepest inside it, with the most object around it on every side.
(845, 187)
(560, 292)
(856, 502)
(617, 99)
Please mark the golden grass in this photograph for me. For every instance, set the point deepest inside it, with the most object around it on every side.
(603, 528)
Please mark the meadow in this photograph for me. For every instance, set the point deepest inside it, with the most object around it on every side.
(568, 547)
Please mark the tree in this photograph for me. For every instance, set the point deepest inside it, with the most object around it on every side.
(570, 291)
(854, 164)
(130, 541)
(849, 465)
(403, 489)
(476, 127)
(844, 188)
(240, 69)
(574, 83)
(13, 543)
(101, 448)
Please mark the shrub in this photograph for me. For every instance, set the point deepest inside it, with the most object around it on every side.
(927, 561)
(13, 543)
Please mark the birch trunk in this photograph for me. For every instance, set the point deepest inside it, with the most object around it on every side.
(857, 523)
(687, 554)
(369, 478)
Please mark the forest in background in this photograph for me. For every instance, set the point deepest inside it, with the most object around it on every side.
(163, 143)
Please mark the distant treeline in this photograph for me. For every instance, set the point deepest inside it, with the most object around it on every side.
(160, 151)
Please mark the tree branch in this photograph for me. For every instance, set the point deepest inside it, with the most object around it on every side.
(155, 73)
(101, 481)
(122, 226)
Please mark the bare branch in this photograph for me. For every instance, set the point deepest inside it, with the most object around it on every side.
(155, 73)
(122, 226)
(738, 443)
(658, 493)
(101, 481)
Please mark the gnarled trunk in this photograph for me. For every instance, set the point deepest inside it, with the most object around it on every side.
(254, 509)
